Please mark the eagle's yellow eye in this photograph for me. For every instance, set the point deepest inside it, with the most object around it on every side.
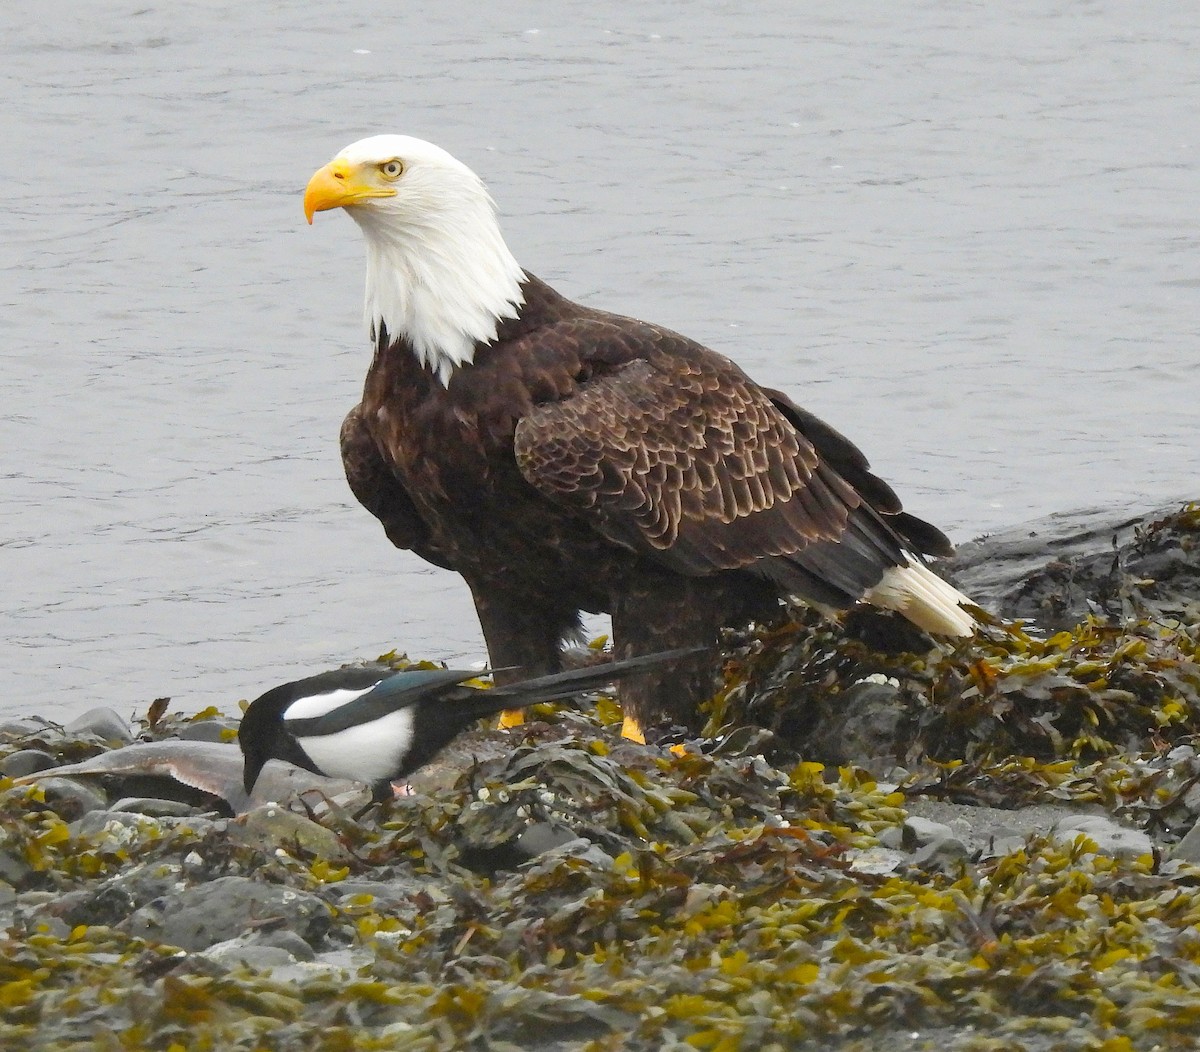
(392, 169)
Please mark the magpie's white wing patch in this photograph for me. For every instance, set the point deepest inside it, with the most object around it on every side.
(320, 704)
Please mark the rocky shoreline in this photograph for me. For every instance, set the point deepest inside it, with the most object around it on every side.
(982, 847)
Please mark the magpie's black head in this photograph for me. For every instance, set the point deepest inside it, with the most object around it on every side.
(262, 735)
(254, 752)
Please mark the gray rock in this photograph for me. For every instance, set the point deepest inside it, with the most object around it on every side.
(113, 900)
(879, 859)
(279, 781)
(273, 826)
(95, 823)
(14, 869)
(916, 841)
(70, 799)
(154, 807)
(213, 730)
(388, 896)
(199, 917)
(892, 837)
(583, 850)
(941, 856)
(862, 726)
(343, 797)
(918, 832)
(21, 727)
(248, 951)
(331, 965)
(1110, 837)
(26, 761)
(990, 830)
(1051, 570)
(108, 904)
(46, 924)
(38, 899)
(540, 837)
(1188, 849)
(1191, 799)
(104, 723)
(283, 939)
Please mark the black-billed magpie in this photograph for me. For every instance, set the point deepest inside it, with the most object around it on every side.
(378, 725)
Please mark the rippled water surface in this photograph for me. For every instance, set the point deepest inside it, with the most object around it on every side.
(964, 234)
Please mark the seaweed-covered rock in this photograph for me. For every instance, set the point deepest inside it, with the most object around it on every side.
(1110, 837)
(1059, 570)
(110, 902)
(863, 726)
(271, 824)
(985, 865)
(215, 729)
(1117, 680)
(223, 909)
(70, 798)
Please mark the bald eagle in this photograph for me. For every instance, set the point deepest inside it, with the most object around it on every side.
(564, 459)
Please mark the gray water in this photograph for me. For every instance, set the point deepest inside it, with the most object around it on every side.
(965, 234)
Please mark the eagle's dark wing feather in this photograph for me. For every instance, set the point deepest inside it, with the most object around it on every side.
(681, 455)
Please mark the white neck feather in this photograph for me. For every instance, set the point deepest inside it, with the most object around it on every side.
(438, 271)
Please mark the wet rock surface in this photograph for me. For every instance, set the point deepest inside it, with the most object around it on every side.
(987, 846)
(102, 723)
(204, 914)
(1056, 571)
(26, 761)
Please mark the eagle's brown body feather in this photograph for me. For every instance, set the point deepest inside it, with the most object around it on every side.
(589, 462)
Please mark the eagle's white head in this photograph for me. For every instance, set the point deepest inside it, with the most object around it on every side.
(438, 270)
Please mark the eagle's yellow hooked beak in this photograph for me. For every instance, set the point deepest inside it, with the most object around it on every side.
(340, 184)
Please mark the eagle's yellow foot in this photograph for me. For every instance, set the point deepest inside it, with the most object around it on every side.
(510, 718)
(632, 730)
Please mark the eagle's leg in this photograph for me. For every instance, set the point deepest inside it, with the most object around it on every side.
(665, 612)
(658, 615)
(524, 637)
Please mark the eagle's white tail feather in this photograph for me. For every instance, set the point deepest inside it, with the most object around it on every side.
(924, 598)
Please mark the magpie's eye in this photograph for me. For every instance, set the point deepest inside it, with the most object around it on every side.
(392, 169)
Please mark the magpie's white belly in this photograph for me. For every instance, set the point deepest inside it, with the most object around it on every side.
(370, 752)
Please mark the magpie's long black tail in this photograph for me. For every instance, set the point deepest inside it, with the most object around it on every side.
(562, 685)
